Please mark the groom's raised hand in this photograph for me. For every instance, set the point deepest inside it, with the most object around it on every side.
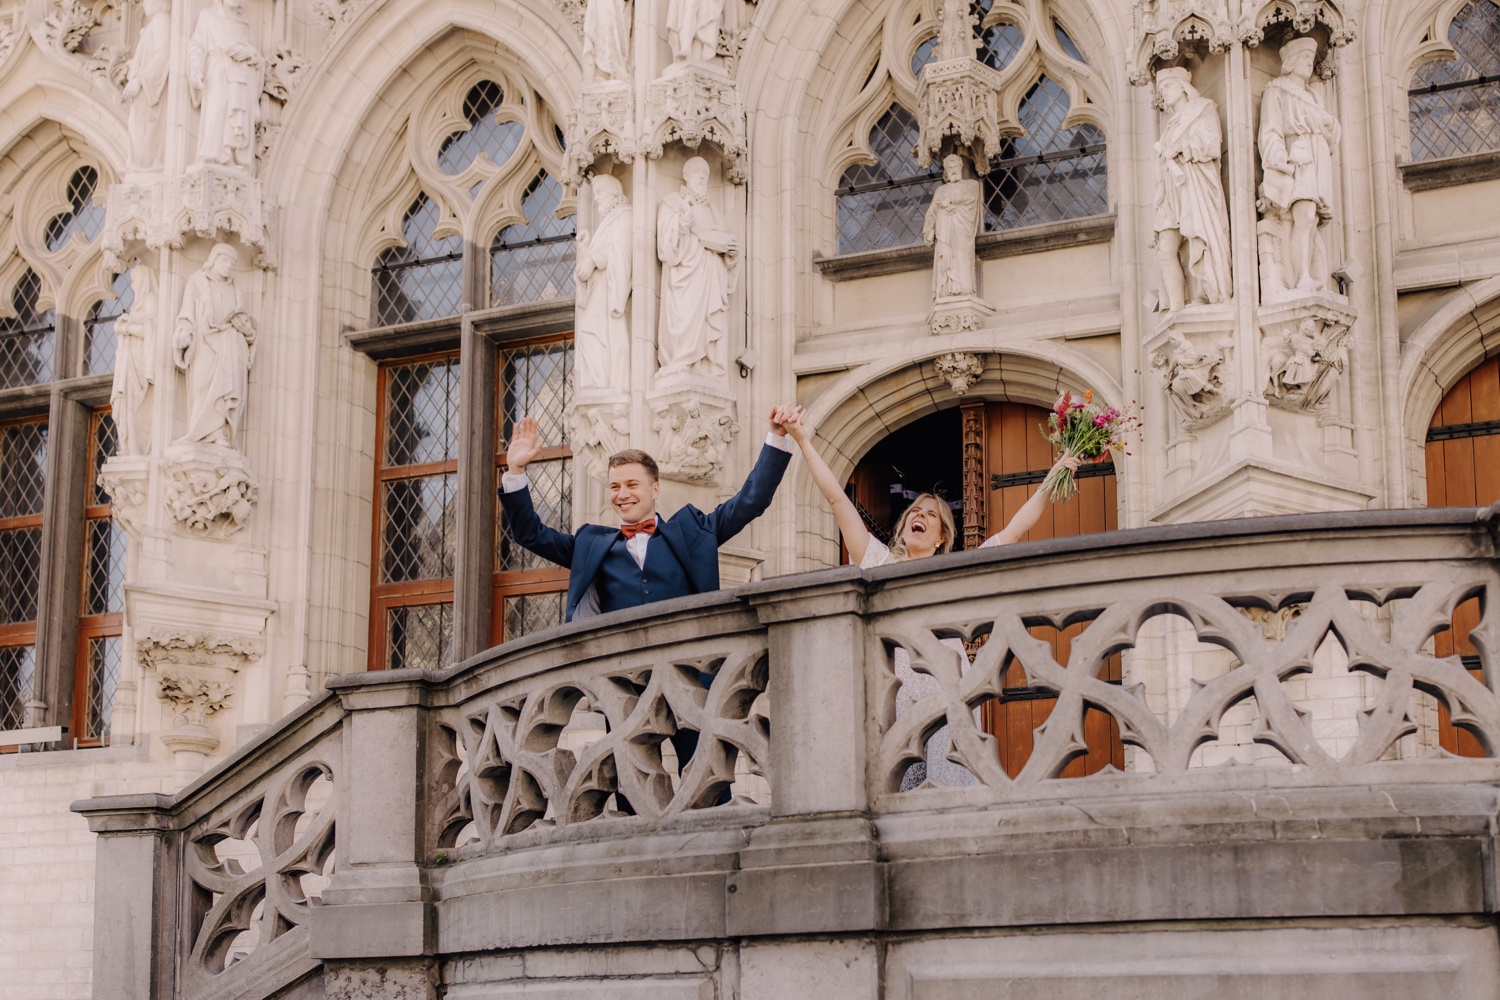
(523, 447)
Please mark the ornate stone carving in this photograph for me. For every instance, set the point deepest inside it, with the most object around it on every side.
(283, 77)
(1194, 378)
(603, 281)
(975, 489)
(226, 74)
(1164, 27)
(1305, 353)
(950, 228)
(693, 30)
(601, 124)
(195, 680)
(1297, 139)
(126, 478)
(214, 343)
(1191, 218)
(145, 83)
(958, 97)
(9, 36)
(598, 428)
(959, 314)
(209, 201)
(606, 39)
(209, 488)
(695, 428)
(193, 697)
(959, 369)
(338, 12)
(572, 11)
(62, 28)
(698, 257)
(134, 364)
(692, 105)
(1301, 16)
(159, 647)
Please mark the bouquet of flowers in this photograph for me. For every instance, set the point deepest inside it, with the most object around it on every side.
(1083, 428)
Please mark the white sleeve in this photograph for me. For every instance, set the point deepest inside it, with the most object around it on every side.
(511, 482)
(782, 442)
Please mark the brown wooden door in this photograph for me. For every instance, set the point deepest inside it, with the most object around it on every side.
(1463, 470)
(1016, 459)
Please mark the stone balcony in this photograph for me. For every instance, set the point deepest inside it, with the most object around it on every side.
(521, 825)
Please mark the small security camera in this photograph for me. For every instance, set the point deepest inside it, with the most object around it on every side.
(747, 362)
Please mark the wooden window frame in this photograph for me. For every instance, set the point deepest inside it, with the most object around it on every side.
(104, 625)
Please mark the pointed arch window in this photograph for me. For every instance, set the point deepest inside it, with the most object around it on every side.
(881, 204)
(533, 261)
(84, 217)
(423, 279)
(1050, 174)
(495, 139)
(1455, 104)
(27, 339)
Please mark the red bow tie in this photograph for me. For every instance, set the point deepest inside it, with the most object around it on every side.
(645, 527)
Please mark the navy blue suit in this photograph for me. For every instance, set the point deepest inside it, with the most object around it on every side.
(681, 558)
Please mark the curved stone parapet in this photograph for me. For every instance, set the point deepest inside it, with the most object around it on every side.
(704, 798)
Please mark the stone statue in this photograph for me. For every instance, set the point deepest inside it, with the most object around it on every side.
(133, 371)
(1297, 138)
(145, 83)
(693, 29)
(214, 344)
(1190, 212)
(1305, 362)
(226, 74)
(950, 227)
(603, 272)
(1191, 376)
(698, 256)
(606, 39)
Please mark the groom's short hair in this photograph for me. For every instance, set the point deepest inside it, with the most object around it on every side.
(634, 456)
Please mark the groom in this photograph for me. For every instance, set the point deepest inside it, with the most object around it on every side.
(648, 557)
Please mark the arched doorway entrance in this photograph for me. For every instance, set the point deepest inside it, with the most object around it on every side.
(987, 457)
(1463, 470)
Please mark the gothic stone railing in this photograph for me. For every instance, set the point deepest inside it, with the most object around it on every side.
(549, 792)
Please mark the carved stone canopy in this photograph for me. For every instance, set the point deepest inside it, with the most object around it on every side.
(209, 201)
(692, 105)
(1165, 27)
(958, 109)
(603, 124)
(1301, 16)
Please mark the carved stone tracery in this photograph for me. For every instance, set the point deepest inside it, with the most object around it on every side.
(1165, 27)
(694, 104)
(1301, 16)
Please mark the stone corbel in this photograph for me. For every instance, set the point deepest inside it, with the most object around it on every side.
(1304, 351)
(603, 124)
(61, 28)
(696, 425)
(1301, 16)
(1164, 27)
(210, 490)
(126, 478)
(959, 369)
(694, 104)
(209, 199)
(196, 674)
(599, 425)
(1192, 352)
(959, 314)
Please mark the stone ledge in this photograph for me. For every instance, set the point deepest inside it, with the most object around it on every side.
(1425, 175)
(989, 246)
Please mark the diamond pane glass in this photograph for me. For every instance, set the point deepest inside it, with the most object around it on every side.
(552, 496)
(534, 262)
(104, 567)
(1474, 34)
(529, 613)
(99, 328)
(1049, 174)
(1067, 43)
(26, 340)
(1002, 43)
(496, 140)
(421, 412)
(424, 279)
(104, 675)
(85, 217)
(537, 380)
(881, 205)
(20, 569)
(1464, 117)
(17, 669)
(418, 529)
(106, 442)
(925, 53)
(23, 468)
(419, 636)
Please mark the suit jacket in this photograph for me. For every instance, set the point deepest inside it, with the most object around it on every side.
(693, 536)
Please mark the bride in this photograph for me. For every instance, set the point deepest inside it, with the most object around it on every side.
(924, 529)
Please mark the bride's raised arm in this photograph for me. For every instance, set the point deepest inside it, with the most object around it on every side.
(1031, 511)
(851, 525)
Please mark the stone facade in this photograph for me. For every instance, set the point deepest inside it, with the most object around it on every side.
(308, 421)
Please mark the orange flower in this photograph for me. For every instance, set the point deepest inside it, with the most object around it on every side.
(1088, 396)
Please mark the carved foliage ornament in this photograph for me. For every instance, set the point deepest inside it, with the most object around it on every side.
(62, 28)
(959, 369)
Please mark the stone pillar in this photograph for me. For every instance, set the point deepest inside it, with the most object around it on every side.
(378, 905)
(813, 868)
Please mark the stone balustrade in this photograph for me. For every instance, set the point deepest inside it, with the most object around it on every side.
(701, 798)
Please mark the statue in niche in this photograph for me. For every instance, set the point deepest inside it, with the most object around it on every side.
(145, 81)
(603, 272)
(1297, 139)
(693, 30)
(1190, 211)
(133, 370)
(698, 257)
(214, 343)
(226, 74)
(606, 39)
(951, 225)
(1191, 376)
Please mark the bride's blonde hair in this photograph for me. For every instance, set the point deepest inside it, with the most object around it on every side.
(945, 517)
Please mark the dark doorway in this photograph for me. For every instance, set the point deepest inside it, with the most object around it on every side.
(922, 457)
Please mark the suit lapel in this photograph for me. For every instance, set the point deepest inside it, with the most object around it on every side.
(673, 533)
(586, 564)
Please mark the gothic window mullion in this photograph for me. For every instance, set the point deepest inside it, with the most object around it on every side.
(475, 515)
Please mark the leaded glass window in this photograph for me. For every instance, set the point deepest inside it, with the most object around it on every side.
(882, 204)
(23, 483)
(83, 217)
(533, 261)
(497, 140)
(1455, 104)
(424, 279)
(99, 327)
(1050, 174)
(101, 595)
(27, 339)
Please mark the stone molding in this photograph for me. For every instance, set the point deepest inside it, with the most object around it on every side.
(1426, 175)
(987, 246)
